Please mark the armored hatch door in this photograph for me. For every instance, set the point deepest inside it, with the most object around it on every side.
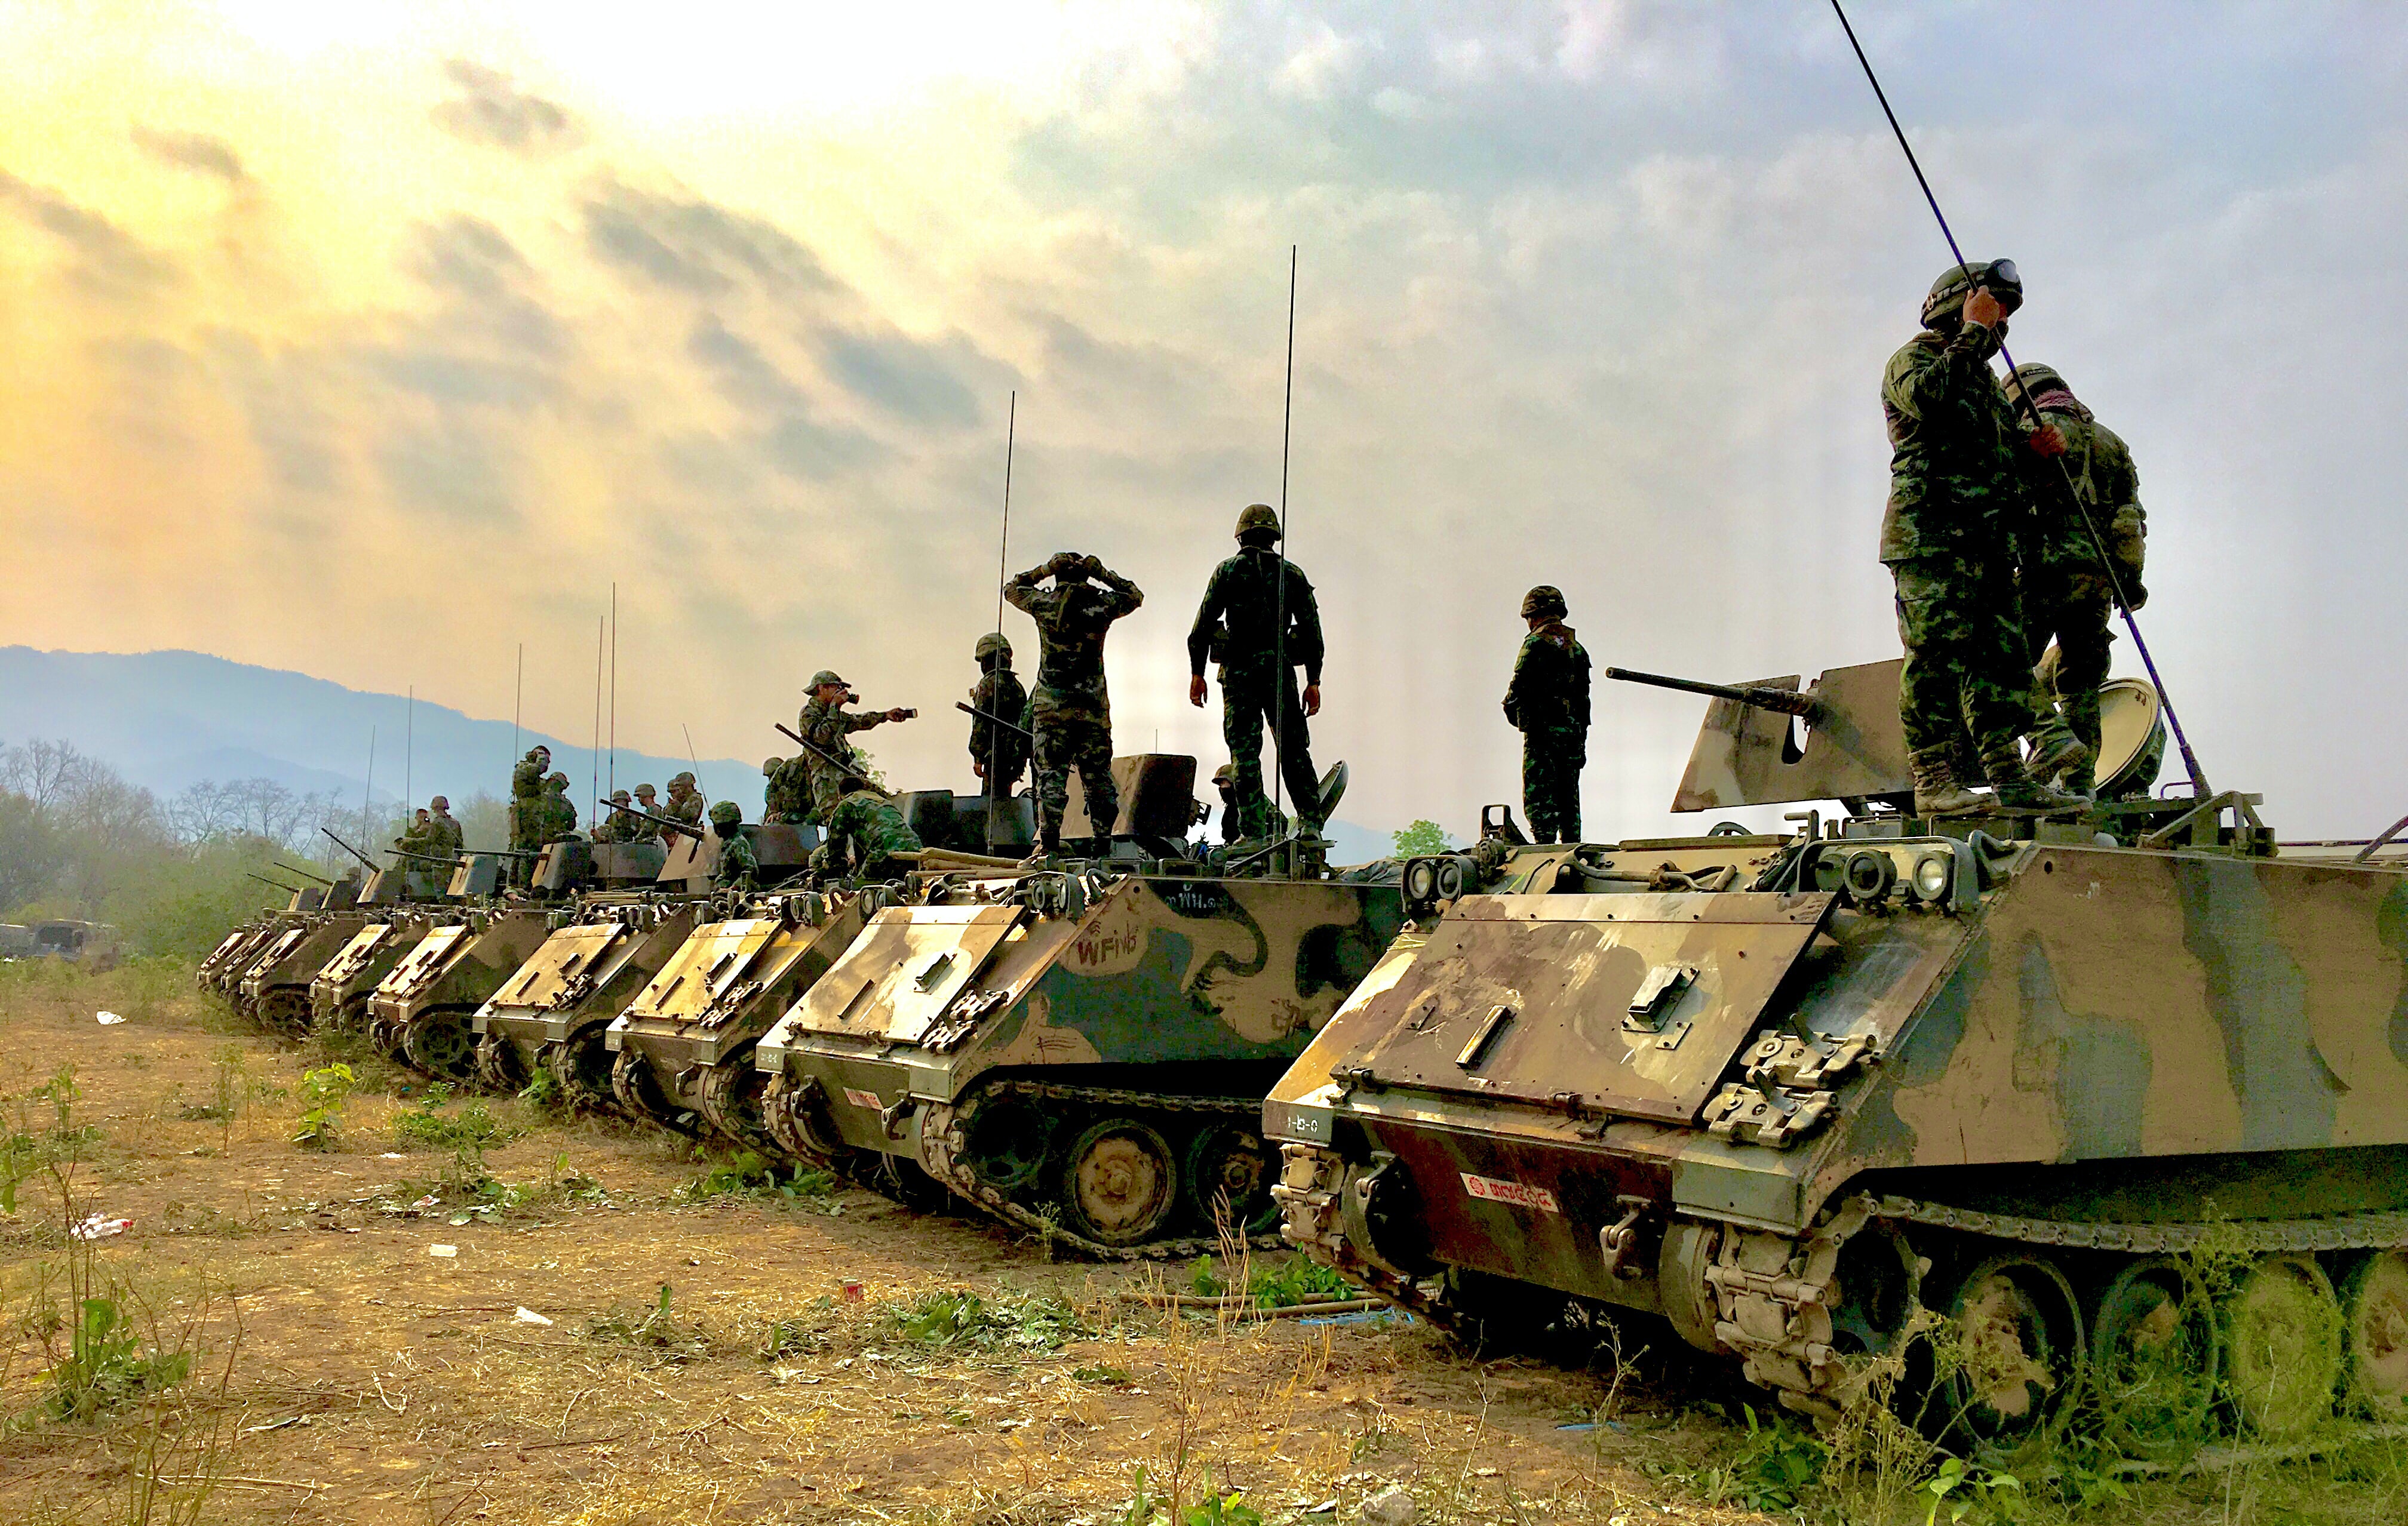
(225, 948)
(898, 979)
(420, 965)
(563, 969)
(1631, 1005)
(285, 943)
(356, 953)
(703, 967)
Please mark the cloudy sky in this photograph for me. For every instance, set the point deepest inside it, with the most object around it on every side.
(373, 340)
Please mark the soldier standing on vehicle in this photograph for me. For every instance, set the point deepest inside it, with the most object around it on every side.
(738, 867)
(527, 799)
(556, 811)
(1238, 625)
(999, 741)
(415, 839)
(1071, 710)
(1957, 501)
(647, 799)
(828, 727)
(864, 831)
(2069, 595)
(450, 836)
(1548, 700)
(685, 800)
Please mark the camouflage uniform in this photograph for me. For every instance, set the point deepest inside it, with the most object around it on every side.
(788, 797)
(829, 728)
(1956, 499)
(1238, 625)
(2068, 594)
(638, 829)
(867, 831)
(738, 867)
(526, 797)
(1071, 711)
(1003, 751)
(686, 802)
(556, 817)
(1548, 700)
(448, 836)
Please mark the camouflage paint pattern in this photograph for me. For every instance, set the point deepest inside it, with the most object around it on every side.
(586, 972)
(459, 964)
(346, 981)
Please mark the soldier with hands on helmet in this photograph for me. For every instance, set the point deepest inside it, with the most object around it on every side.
(1548, 701)
(829, 726)
(1000, 738)
(738, 867)
(1957, 500)
(1071, 710)
(2069, 592)
(1260, 623)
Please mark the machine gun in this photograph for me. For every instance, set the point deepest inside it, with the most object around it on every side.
(453, 859)
(974, 710)
(371, 864)
(292, 890)
(291, 869)
(1786, 701)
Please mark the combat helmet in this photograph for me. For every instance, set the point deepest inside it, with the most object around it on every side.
(1225, 777)
(441, 803)
(1544, 602)
(725, 814)
(1949, 292)
(619, 797)
(770, 766)
(684, 776)
(993, 645)
(1258, 518)
(824, 678)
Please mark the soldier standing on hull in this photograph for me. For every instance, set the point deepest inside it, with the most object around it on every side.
(1071, 711)
(2069, 595)
(1239, 623)
(558, 816)
(738, 866)
(685, 800)
(829, 726)
(526, 809)
(1957, 501)
(450, 837)
(1548, 700)
(998, 754)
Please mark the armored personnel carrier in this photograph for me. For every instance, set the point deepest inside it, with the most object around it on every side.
(550, 1014)
(421, 1011)
(274, 989)
(683, 1047)
(1081, 1050)
(2038, 1077)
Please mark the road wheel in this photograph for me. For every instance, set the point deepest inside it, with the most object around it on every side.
(286, 1010)
(580, 1066)
(2153, 1359)
(2019, 1349)
(1005, 1141)
(2374, 1325)
(641, 1095)
(2283, 1345)
(1118, 1183)
(500, 1067)
(1229, 1172)
(729, 1100)
(442, 1044)
(795, 1115)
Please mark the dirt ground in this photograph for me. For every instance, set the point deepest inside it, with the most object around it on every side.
(601, 1344)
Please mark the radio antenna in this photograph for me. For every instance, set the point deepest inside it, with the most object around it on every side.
(2115, 583)
(1002, 561)
(1281, 677)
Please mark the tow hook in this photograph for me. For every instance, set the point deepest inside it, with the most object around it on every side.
(1616, 1240)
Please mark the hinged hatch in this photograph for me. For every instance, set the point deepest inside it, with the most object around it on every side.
(1613, 1004)
(568, 960)
(422, 964)
(897, 980)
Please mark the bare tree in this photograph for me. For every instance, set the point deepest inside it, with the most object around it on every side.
(43, 770)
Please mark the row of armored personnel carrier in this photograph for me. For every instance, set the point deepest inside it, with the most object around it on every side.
(2121, 1098)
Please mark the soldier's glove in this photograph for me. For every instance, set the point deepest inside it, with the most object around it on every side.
(1092, 566)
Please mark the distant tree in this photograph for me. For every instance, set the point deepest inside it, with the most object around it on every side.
(484, 821)
(1423, 837)
(31, 851)
(44, 772)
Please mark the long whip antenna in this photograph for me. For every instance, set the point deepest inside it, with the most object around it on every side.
(594, 753)
(1002, 561)
(518, 699)
(614, 687)
(408, 748)
(368, 833)
(697, 762)
(1280, 676)
(2123, 604)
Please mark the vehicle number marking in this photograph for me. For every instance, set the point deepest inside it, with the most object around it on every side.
(1520, 1194)
(864, 1099)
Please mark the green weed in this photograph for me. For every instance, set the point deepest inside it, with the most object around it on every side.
(1299, 1281)
(427, 1126)
(965, 1322)
(748, 1173)
(326, 1088)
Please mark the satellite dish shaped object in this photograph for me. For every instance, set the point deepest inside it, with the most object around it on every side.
(2131, 738)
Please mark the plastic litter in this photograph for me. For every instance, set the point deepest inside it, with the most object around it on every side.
(851, 1292)
(109, 1020)
(446, 1251)
(99, 1227)
(526, 1316)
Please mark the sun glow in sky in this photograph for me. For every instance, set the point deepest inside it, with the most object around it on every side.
(372, 340)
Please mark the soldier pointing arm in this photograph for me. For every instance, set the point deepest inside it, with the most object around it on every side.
(826, 725)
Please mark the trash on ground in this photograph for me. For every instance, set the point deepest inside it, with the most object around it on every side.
(99, 1227)
(446, 1251)
(275, 1425)
(526, 1316)
(109, 1020)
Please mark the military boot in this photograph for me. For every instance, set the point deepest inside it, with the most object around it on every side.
(2056, 750)
(2017, 791)
(1936, 790)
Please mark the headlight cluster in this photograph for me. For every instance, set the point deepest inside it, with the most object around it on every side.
(1428, 881)
(1873, 877)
